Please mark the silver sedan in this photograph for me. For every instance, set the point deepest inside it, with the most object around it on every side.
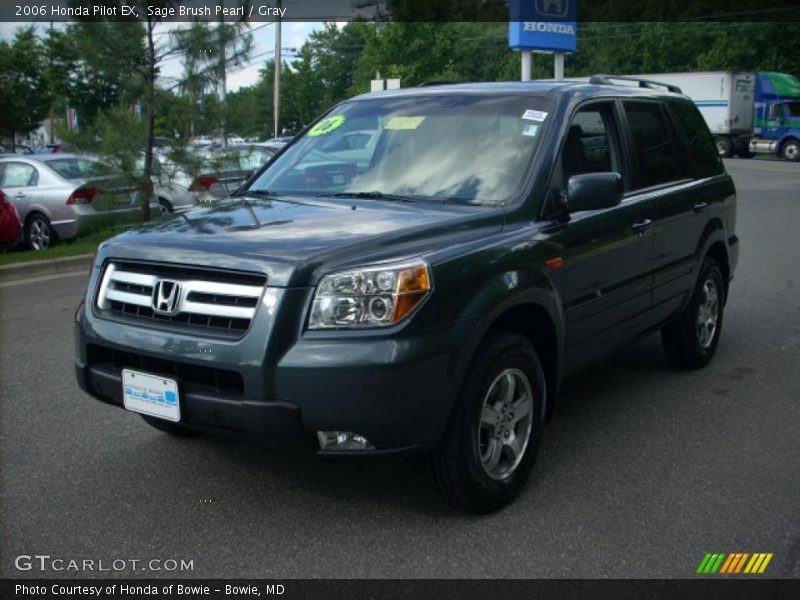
(59, 196)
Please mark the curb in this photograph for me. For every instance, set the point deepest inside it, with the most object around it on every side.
(39, 268)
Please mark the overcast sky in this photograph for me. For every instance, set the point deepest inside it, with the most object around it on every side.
(293, 34)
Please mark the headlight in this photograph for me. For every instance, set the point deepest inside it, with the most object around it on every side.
(371, 297)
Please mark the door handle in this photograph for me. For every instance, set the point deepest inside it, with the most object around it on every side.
(700, 207)
(19, 195)
(641, 226)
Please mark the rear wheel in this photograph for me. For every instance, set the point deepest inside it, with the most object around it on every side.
(164, 206)
(691, 341)
(724, 147)
(491, 443)
(790, 150)
(39, 232)
(169, 427)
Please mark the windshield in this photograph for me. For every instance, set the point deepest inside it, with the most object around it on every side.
(460, 148)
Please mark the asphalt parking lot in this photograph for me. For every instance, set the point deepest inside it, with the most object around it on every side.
(643, 470)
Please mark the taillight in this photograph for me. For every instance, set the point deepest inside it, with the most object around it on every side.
(202, 184)
(83, 195)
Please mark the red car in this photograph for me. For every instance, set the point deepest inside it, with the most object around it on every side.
(10, 226)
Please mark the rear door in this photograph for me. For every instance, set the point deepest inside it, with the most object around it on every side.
(607, 253)
(20, 182)
(665, 173)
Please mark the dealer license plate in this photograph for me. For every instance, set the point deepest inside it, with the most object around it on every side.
(151, 395)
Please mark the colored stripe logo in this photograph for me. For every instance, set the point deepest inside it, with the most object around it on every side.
(735, 562)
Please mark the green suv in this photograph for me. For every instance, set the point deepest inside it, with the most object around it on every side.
(418, 271)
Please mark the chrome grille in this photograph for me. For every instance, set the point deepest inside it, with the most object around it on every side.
(221, 301)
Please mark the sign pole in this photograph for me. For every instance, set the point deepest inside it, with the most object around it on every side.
(527, 64)
(558, 66)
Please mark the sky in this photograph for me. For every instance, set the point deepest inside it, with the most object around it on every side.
(293, 34)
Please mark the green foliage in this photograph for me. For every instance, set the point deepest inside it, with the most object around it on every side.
(24, 97)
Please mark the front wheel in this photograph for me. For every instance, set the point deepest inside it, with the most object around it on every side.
(691, 341)
(494, 435)
(790, 150)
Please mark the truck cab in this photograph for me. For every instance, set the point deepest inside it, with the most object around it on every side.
(776, 123)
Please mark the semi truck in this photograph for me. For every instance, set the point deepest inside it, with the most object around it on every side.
(748, 113)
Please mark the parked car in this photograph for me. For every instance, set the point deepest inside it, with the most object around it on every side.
(430, 294)
(17, 149)
(50, 149)
(62, 195)
(10, 226)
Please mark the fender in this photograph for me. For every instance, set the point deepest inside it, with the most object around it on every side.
(541, 295)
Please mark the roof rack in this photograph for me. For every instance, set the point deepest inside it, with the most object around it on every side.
(430, 83)
(643, 83)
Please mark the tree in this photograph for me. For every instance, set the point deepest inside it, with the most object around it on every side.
(24, 98)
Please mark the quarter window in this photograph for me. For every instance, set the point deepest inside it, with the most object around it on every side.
(653, 147)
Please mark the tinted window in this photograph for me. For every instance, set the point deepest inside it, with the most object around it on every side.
(588, 145)
(653, 148)
(694, 131)
(18, 175)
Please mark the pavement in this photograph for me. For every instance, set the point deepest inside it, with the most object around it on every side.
(643, 470)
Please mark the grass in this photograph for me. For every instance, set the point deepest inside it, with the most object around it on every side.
(86, 244)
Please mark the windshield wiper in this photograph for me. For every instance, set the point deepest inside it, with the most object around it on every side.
(370, 196)
(265, 193)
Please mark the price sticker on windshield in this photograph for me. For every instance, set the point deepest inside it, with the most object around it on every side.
(534, 115)
(325, 126)
(404, 122)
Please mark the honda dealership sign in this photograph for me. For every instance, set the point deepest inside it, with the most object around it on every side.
(546, 25)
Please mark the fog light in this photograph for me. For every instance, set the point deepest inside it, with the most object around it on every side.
(342, 440)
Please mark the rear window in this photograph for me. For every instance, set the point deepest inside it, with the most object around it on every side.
(699, 141)
(78, 168)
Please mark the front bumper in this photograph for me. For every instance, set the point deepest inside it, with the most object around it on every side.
(396, 389)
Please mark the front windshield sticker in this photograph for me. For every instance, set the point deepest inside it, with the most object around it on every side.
(404, 122)
(534, 115)
(530, 130)
(325, 126)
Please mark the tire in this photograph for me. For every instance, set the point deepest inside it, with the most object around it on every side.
(790, 150)
(39, 233)
(169, 427)
(165, 207)
(724, 147)
(473, 468)
(690, 342)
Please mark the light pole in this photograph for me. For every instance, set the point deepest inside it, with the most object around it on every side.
(276, 92)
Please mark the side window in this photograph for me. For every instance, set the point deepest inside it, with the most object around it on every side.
(18, 175)
(699, 141)
(653, 148)
(589, 145)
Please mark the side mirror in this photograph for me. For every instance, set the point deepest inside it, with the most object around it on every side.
(594, 191)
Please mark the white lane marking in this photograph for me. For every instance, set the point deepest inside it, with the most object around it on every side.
(42, 278)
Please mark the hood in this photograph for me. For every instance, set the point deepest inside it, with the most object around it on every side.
(292, 240)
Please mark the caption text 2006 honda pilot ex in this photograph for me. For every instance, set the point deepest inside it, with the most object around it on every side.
(419, 270)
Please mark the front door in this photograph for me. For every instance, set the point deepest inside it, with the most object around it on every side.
(607, 253)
